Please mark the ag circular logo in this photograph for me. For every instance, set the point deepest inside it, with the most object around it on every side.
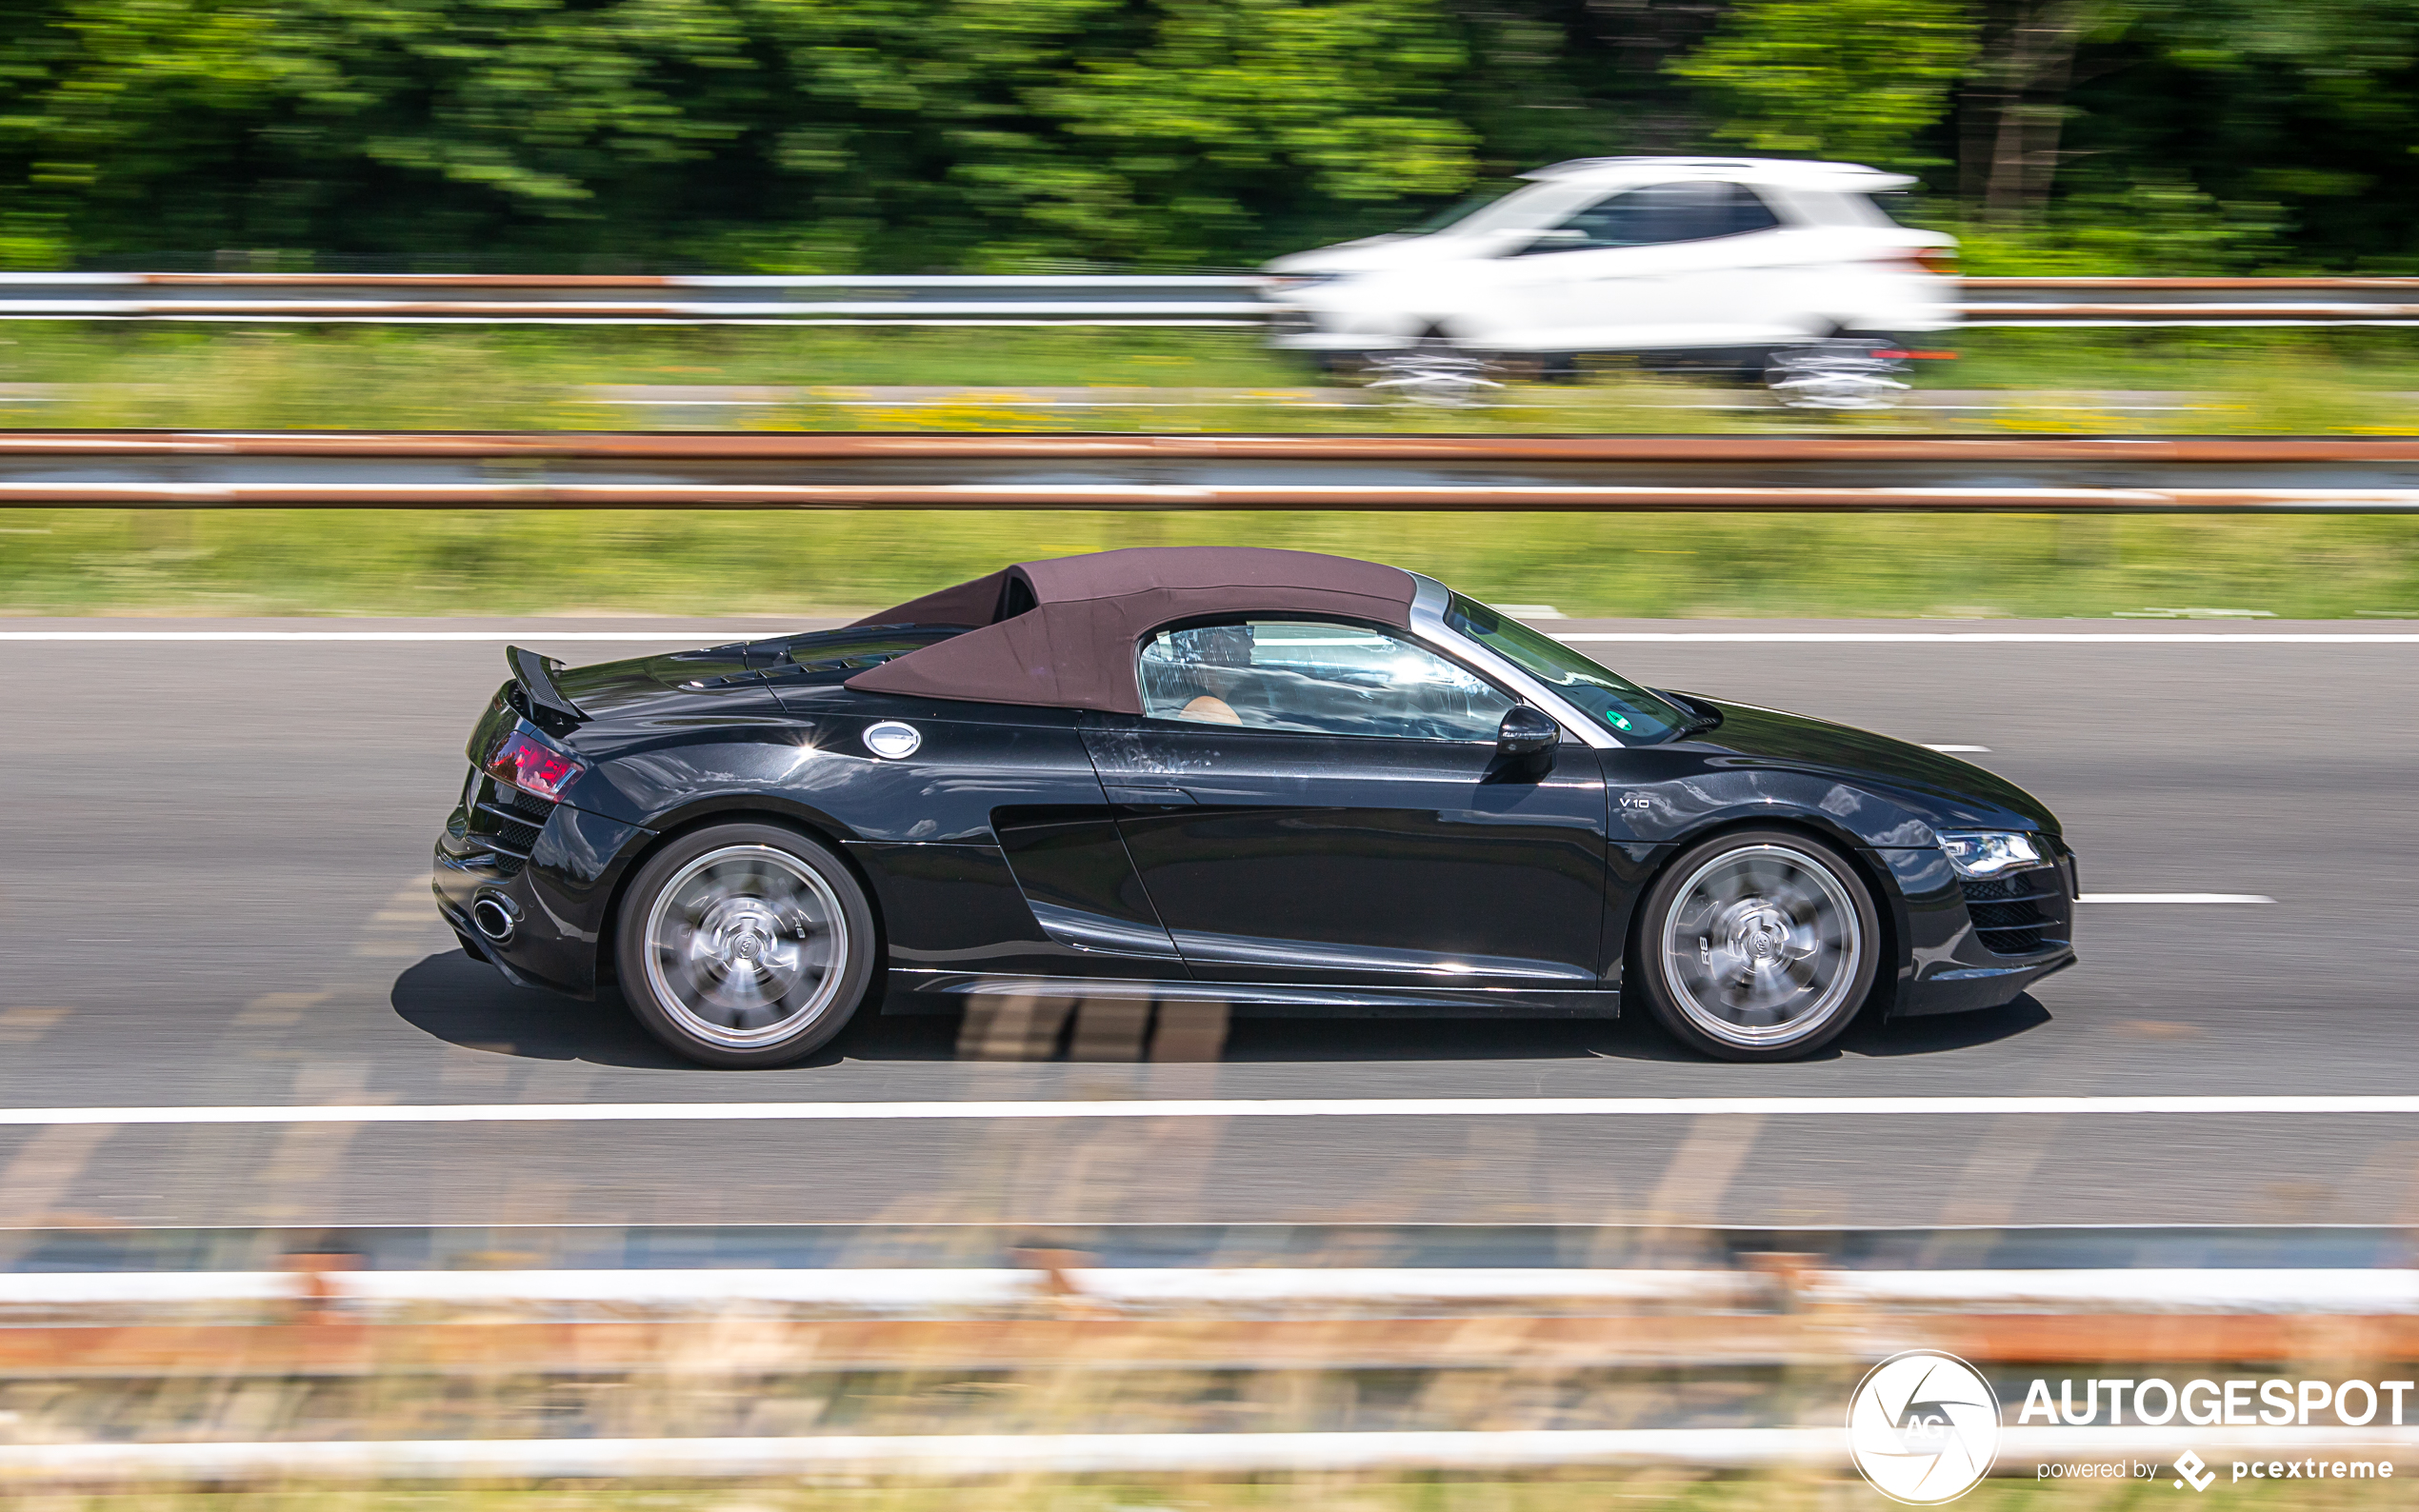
(1923, 1427)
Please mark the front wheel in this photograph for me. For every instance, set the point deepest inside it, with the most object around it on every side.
(744, 946)
(1434, 372)
(1757, 945)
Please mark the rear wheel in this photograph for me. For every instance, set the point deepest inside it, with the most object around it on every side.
(1757, 945)
(744, 944)
(1840, 373)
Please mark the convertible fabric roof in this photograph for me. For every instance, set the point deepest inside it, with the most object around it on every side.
(1062, 633)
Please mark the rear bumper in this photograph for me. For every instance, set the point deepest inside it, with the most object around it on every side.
(559, 900)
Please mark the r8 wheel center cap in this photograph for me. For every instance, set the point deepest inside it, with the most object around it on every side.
(742, 939)
(1762, 934)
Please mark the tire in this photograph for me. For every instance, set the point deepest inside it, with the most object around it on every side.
(744, 946)
(1760, 944)
(1434, 371)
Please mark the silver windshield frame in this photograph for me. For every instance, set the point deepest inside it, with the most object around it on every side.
(1428, 622)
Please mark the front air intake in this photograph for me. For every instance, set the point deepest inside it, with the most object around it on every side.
(2008, 913)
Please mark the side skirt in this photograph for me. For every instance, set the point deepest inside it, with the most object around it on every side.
(936, 992)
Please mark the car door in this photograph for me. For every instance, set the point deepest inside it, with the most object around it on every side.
(1659, 265)
(1316, 800)
(1760, 278)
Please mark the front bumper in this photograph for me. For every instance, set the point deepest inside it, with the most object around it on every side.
(1980, 944)
(554, 878)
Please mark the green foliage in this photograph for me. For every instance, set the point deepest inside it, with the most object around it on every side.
(1232, 92)
(809, 133)
(834, 135)
(1852, 79)
(2160, 229)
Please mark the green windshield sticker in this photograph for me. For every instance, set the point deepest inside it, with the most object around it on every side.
(1620, 721)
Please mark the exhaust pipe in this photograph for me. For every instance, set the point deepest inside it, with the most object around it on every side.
(495, 918)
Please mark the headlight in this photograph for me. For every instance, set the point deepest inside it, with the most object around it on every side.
(1989, 852)
(1293, 283)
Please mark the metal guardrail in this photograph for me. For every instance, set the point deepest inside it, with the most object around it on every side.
(2191, 302)
(1131, 299)
(894, 1352)
(591, 470)
(1146, 299)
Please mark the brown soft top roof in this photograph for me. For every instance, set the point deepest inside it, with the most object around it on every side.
(1063, 632)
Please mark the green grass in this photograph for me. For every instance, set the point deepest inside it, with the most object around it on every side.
(773, 563)
(59, 561)
(514, 378)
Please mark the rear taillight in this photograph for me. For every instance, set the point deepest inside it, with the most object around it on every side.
(1940, 260)
(533, 766)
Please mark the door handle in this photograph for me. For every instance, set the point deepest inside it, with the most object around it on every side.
(1139, 795)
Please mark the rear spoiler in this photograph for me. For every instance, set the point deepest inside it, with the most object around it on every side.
(536, 674)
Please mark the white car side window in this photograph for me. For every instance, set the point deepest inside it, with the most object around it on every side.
(1315, 678)
(1657, 213)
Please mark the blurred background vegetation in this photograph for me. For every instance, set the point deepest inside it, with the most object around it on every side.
(795, 564)
(2055, 137)
(2349, 381)
(787, 565)
(975, 135)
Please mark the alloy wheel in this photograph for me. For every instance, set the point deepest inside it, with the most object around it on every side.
(745, 946)
(1762, 947)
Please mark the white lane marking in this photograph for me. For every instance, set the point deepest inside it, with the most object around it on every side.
(684, 637)
(2174, 1105)
(2173, 897)
(2000, 637)
(1960, 750)
(2120, 638)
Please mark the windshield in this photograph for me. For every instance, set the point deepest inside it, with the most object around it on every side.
(1630, 710)
(1451, 214)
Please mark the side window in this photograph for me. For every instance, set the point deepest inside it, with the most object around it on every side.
(1659, 213)
(1317, 678)
(1745, 211)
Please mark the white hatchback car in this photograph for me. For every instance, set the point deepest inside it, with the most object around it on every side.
(1724, 263)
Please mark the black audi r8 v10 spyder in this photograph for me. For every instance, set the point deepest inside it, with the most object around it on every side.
(1284, 782)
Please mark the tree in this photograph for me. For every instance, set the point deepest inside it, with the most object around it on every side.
(799, 134)
(1852, 79)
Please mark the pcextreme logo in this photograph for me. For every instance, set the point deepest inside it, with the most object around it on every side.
(1923, 1427)
(2191, 1467)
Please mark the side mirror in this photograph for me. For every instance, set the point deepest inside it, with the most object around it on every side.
(1526, 734)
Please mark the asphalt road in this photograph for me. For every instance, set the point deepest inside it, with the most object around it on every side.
(213, 861)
